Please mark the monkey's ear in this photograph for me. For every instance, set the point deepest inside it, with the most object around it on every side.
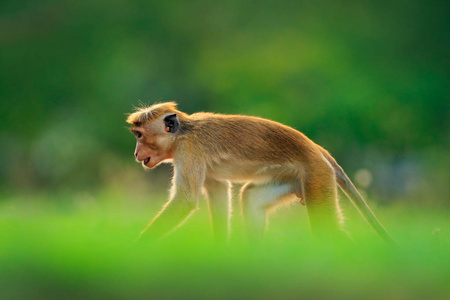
(172, 123)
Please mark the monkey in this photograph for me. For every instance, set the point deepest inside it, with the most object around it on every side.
(276, 164)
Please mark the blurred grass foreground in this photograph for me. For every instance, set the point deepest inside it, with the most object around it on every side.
(368, 80)
(82, 248)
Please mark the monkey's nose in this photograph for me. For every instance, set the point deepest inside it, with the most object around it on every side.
(135, 155)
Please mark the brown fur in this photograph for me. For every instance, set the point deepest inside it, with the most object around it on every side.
(145, 114)
(210, 151)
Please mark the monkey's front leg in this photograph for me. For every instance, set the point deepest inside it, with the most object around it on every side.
(171, 216)
(185, 194)
(219, 203)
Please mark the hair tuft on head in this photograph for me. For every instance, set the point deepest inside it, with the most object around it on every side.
(146, 113)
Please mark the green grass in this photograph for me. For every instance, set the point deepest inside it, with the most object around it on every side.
(80, 246)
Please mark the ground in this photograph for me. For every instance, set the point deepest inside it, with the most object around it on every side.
(80, 246)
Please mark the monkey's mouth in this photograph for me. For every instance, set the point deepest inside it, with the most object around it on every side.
(146, 161)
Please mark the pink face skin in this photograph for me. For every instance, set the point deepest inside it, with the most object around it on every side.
(153, 143)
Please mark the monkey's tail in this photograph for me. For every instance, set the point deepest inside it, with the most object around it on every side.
(357, 200)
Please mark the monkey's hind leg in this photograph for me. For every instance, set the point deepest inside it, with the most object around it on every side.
(325, 216)
(256, 200)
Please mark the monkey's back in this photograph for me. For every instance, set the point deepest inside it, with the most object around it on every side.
(248, 137)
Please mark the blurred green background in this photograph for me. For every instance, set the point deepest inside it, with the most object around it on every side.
(368, 80)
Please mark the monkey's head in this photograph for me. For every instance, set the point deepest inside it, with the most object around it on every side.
(155, 128)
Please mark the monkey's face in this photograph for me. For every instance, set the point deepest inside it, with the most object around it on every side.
(154, 142)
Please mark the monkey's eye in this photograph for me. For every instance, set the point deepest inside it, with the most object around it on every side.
(138, 134)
